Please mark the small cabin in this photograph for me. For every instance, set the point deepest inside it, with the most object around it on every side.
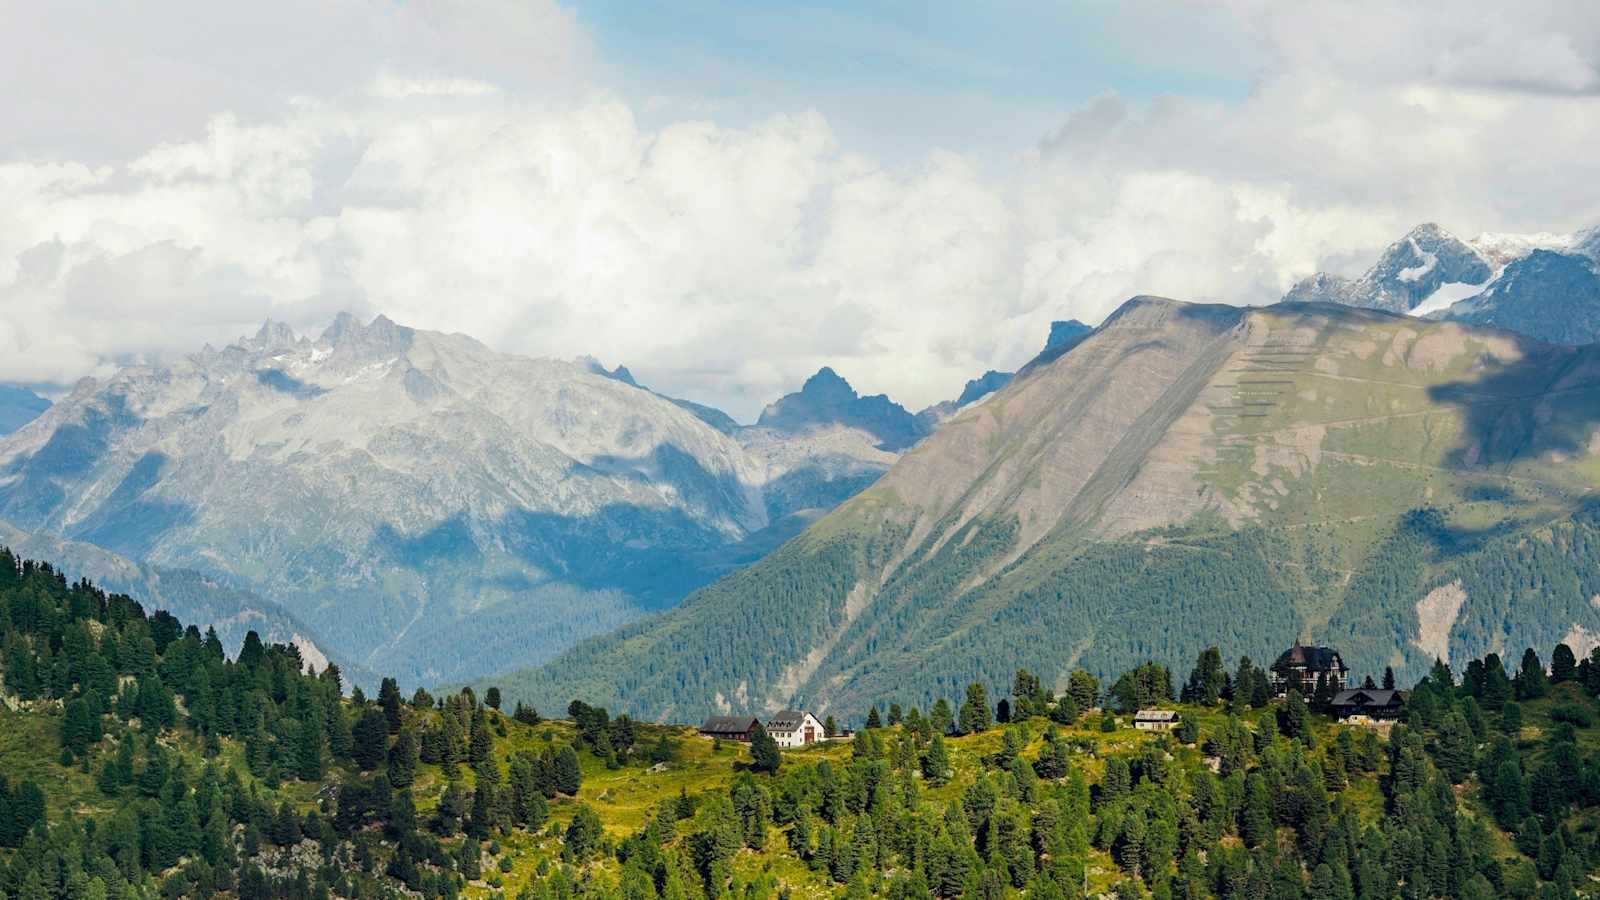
(730, 728)
(794, 728)
(1367, 704)
(1155, 720)
(1301, 668)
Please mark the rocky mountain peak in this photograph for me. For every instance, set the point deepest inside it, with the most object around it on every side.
(1062, 332)
(827, 384)
(826, 398)
(381, 335)
(274, 336)
(1407, 274)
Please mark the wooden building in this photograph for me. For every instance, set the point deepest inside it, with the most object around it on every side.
(1155, 720)
(730, 728)
(1367, 704)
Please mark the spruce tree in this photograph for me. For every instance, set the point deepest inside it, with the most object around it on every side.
(1563, 664)
(936, 762)
(1531, 682)
(370, 739)
(764, 751)
(389, 700)
(403, 758)
(568, 777)
(975, 714)
(310, 763)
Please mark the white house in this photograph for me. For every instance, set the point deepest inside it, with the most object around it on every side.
(794, 728)
(1155, 720)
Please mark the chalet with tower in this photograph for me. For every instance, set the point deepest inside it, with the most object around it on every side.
(1300, 668)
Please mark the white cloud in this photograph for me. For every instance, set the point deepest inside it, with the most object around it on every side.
(449, 166)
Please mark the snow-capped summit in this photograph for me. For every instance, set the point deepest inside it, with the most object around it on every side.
(1542, 284)
(1405, 276)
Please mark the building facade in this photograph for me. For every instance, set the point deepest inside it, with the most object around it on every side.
(1301, 668)
(1367, 704)
(1155, 720)
(794, 728)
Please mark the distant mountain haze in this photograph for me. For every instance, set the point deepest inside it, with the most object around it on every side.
(18, 407)
(428, 506)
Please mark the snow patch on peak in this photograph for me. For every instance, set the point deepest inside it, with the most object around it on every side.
(1502, 248)
(1414, 273)
(1447, 295)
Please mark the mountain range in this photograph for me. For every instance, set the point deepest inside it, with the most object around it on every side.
(1542, 285)
(419, 502)
(1186, 475)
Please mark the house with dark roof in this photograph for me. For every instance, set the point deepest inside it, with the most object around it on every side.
(1300, 668)
(794, 728)
(1367, 704)
(1155, 720)
(730, 728)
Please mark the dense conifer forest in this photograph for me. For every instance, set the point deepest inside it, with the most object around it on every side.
(137, 760)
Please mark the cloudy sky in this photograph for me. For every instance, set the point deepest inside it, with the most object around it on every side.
(725, 196)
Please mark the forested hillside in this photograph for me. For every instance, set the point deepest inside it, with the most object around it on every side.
(137, 760)
(1186, 475)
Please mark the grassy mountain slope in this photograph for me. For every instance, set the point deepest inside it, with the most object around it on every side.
(1186, 473)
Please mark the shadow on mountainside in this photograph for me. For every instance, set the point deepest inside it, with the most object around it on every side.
(1545, 405)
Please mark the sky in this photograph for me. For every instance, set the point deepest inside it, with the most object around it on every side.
(725, 196)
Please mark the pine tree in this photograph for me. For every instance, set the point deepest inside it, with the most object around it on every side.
(583, 834)
(491, 698)
(77, 727)
(1563, 664)
(1206, 680)
(389, 700)
(1531, 682)
(403, 759)
(936, 762)
(370, 739)
(467, 859)
(1456, 747)
(568, 777)
(975, 715)
(481, 748)
(1255, 822)
(310, 763)
(764, 751)
(873, 719)
(1511, 718)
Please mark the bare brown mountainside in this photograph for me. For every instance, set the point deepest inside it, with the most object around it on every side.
(1187, 475)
